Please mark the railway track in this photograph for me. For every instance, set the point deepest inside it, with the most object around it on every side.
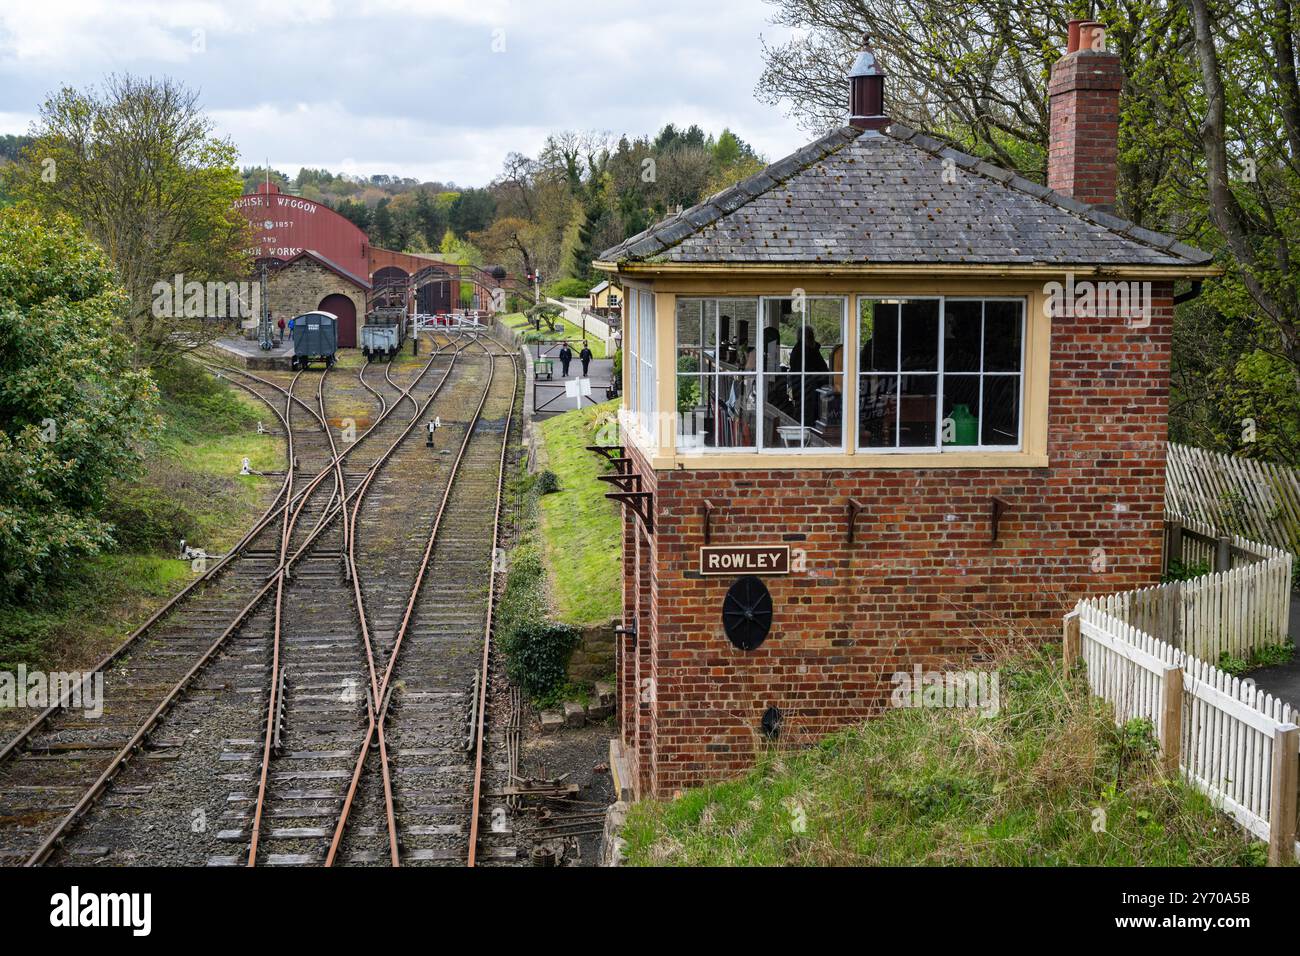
(415, 795)
(61, 762)
(316, 712)
(56, 768)
(303, 660)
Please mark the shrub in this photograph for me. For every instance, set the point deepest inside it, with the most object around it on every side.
(1185, 572)
(147, 518)
(536, 649)
(568, 289)
(548, 482)
(74, 412)
(537, 652)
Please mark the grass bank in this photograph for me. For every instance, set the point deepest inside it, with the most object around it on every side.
(1049, 780)
(581, 530)
(188, 487)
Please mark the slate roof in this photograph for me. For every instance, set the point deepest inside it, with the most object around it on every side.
(855, 197)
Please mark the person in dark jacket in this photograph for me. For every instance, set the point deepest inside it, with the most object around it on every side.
(280, 326)
(807, 357)
(566, 356)
(585, 357)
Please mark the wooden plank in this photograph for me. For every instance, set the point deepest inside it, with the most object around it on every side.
(1282, 802)
(1171, 718)
(1070, 640)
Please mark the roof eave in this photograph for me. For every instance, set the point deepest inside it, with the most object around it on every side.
(992, 270)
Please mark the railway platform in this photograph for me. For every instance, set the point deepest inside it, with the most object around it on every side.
(250, 356)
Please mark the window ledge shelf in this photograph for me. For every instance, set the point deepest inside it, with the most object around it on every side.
(728, 461)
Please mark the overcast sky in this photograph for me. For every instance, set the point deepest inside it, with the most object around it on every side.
(434, 89)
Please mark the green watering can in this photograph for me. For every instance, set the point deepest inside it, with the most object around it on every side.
(966, 427)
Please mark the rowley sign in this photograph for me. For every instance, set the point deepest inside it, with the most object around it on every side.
(745, 559)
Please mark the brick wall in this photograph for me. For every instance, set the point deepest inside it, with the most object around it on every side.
(920, 584)
(1084, 137)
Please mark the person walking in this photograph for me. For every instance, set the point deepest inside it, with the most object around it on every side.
(566, 356)
(280, 326)
(585, 357)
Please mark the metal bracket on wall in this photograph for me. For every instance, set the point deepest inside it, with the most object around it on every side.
(629, 631)
(855, 509)
(641, 502)
(605, 451)
(996, 508)
(629, 481)
(706, 509)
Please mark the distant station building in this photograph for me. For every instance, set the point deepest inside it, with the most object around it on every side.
(318, 259)
(883, 402)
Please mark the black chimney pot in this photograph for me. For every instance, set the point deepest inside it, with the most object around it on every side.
(867, 91)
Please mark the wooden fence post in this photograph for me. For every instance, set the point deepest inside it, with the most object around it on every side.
(1282, 798)
(1223, 554)
(1070, 640)
(1173, 544)
(1171, 718)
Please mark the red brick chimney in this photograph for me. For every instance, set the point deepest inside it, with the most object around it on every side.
(1084, 146)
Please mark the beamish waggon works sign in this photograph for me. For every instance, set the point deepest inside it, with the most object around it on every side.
(745, 559)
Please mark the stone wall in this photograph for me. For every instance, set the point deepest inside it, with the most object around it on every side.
(302, 286)
(593, 657)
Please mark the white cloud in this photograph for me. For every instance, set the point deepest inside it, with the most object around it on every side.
(15, 123)
(410, 87)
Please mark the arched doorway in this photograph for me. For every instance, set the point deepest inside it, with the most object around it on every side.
(346, 310)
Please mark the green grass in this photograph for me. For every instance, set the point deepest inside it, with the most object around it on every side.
(189, 486)
(81, 619)
(948, 787)
(581, 528)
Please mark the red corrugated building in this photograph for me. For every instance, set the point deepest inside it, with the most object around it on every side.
(287, 225)
(322, 260)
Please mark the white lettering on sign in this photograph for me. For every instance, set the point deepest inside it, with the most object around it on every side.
(745, 559)
(306, 204)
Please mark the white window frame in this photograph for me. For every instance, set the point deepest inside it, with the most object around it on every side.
(939, 447)
(647, 385)
(677, 412)
(761, 372)
(845, 334)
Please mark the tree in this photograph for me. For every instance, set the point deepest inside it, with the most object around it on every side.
(1209, 151)
(73, 411)
(508, 242)
(472, 210)
(381, 227)
(1250, 139)
(355, 212)
(138, 165)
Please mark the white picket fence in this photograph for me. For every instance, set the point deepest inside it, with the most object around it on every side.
(1258, 498)
(1236, 611)
(1238, 745)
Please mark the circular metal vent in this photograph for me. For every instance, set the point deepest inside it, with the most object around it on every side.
(747, 613)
